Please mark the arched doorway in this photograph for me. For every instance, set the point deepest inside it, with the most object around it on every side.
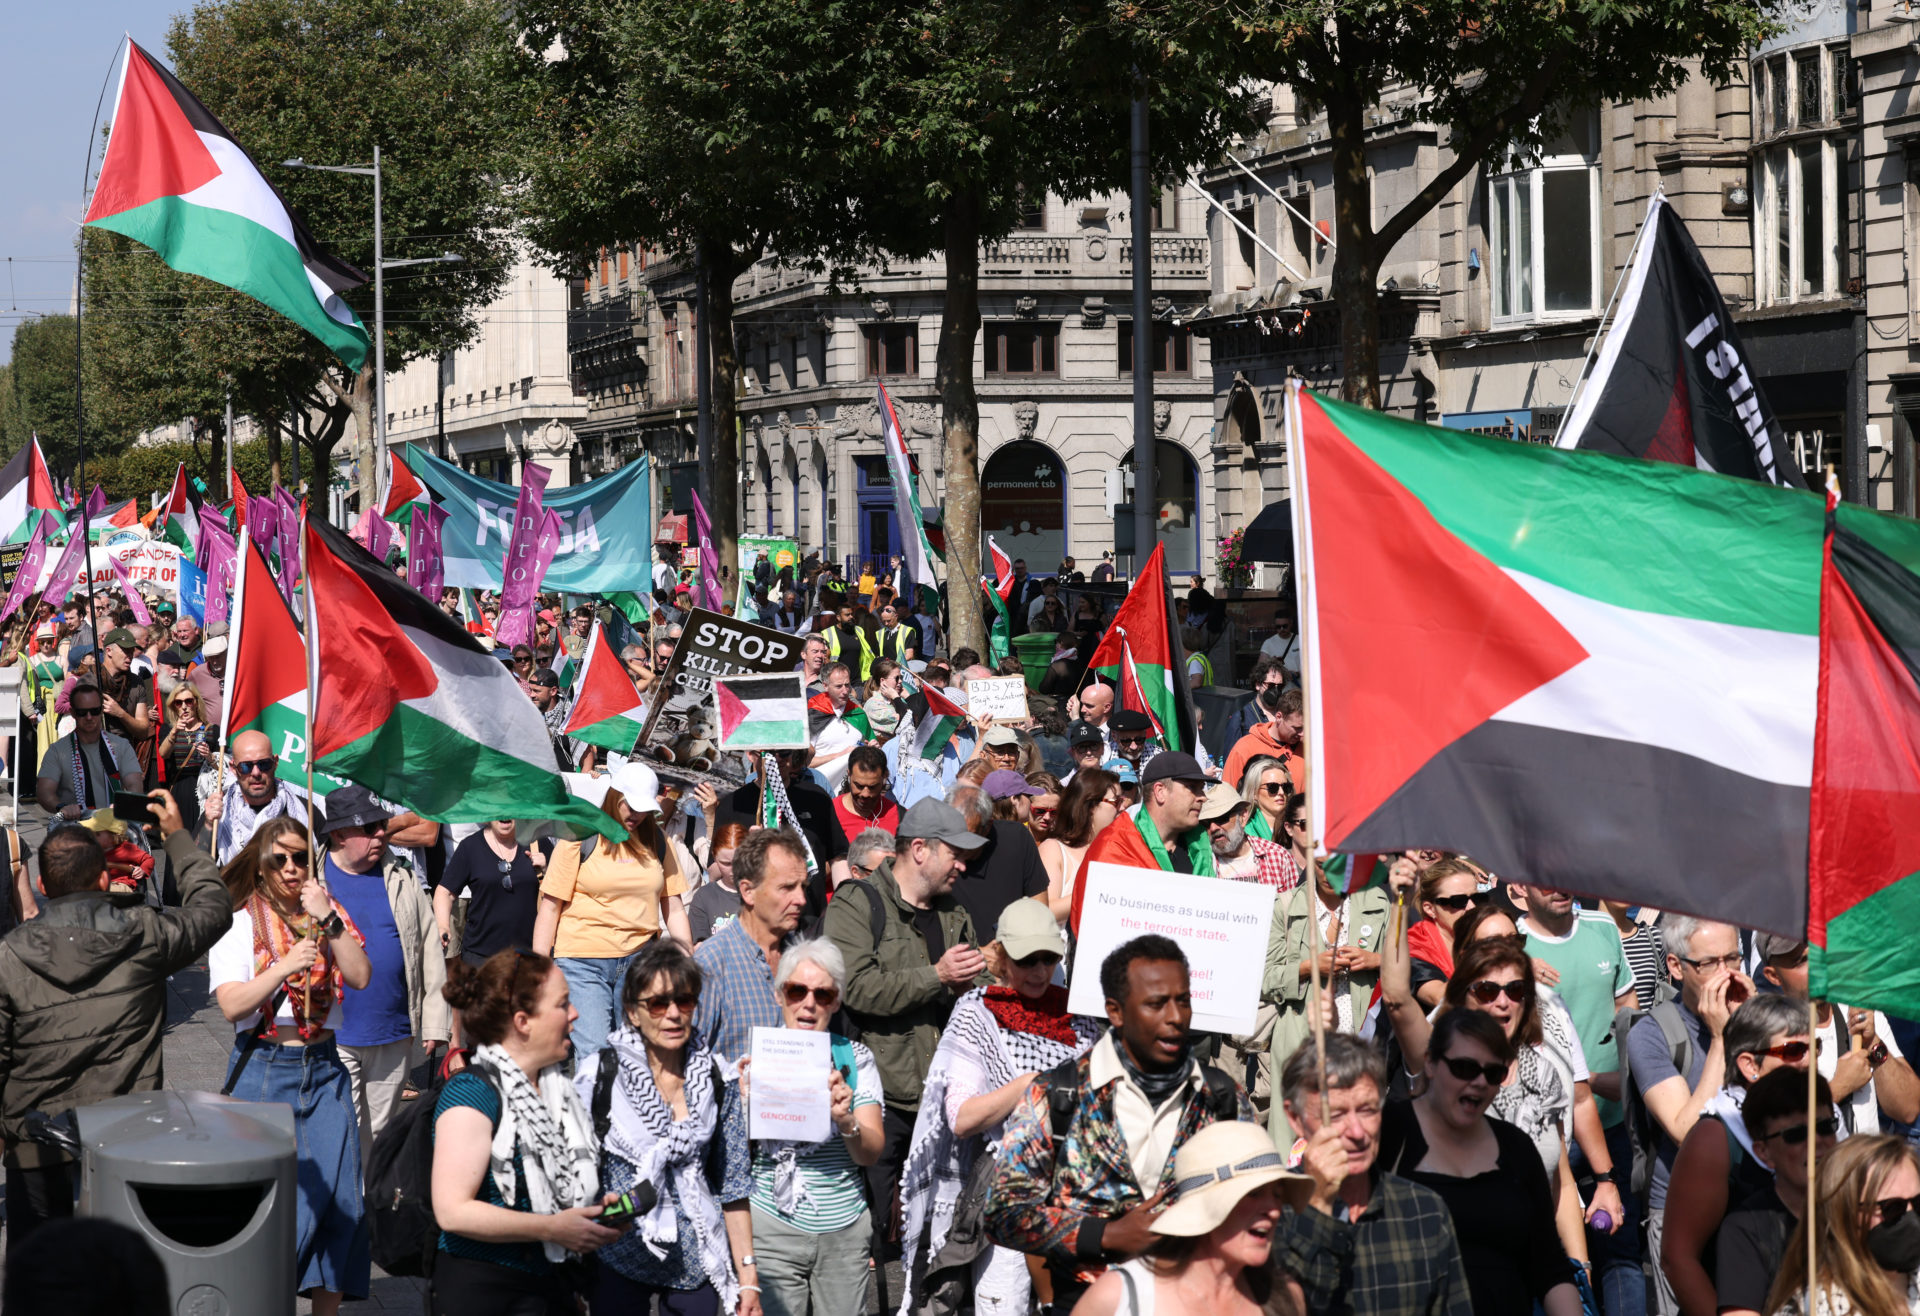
(1176, 498)
(1023, 504)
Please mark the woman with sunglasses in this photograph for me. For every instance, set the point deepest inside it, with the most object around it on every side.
(812, 1231)
(1866, 1235)
(507, 1224)
(501, 880)
(1043, 810)
(1264, 783)
(1486, 1170)
(1448, 889)
(1715, 1166)
(1087, 805)
(277, 976)
(676, 1142)
(183, 751)
(996, 1041)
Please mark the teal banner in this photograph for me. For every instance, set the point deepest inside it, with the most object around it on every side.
(605, 527)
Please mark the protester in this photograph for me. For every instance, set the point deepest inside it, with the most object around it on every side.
(717, 903)
(209, 674)
(555, 710)
(902, 983)
(183, 751)
(997, 1041)
(1089, 801)
(1132, 735)
(278, 975)
(1005, 869)
(1268, 680)
(863, 801)
(1448, 888)
(1752, 1241)
(1868, 1072)
(1264, 784)
(602, 901)
(1087, 745)
(1090, 1200)
(1096, 708)
(500, 880)
(1214, 1242)
(812, 1231)
(509, 1220)
(1164, 834)
(1866, 1235)
(382, 1022)
(1043, 809)
(1237, 853)
(676, 1125)
(1640, 939)
(253, 794)
(1367, 1242)
(836, 726)
(888, 700)
(807, 808)
(83, 1001)
(737, 962)
(920, 774)
(1279, 737)
(81, 770)
(127, 696)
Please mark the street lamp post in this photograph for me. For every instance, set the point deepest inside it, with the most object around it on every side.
(380, 266)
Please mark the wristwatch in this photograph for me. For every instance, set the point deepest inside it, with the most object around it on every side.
(746, 1259)
(333, 925)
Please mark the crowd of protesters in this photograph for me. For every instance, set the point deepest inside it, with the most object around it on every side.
(1461, 1094)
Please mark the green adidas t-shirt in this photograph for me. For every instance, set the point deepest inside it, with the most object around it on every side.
(1593, 971)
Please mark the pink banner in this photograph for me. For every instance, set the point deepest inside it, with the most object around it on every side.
(134, 599)
(96, 504)
(290, 516)
(379, 535)
(263, 521)
(426, 568)
(223, 559)
(710, 597)
(520, 577)
(28, 575)
(67, 570)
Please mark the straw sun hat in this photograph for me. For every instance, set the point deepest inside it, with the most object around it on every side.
(1215, 1169)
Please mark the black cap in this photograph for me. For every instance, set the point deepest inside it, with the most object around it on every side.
(1081, 733)
(351, 806)
(1128, 719)
(1171, 765)
(547, 676)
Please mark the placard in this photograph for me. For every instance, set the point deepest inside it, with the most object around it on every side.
(790, 1080)
(711, 644)
(1222, 925)
(1002, 698)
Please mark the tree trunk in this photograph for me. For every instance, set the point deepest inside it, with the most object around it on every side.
(960, 422)
(273, 453)
(720, 267)
(366, 451)
(1356, 262)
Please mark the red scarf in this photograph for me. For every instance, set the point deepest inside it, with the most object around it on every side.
(1046, 1017)
(1426, 942)
(321, 984)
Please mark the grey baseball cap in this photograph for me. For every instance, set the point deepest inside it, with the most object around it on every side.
(936, 820)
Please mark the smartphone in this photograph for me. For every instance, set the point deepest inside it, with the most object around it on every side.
(131, 807)
(629, 1206)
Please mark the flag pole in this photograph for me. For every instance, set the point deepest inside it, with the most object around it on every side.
(1580, 380)
(316, 866)
(1813, 1118)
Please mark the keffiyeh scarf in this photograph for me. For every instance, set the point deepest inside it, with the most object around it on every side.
(550, 1129)
(240, 820)
(81, 796)
(661, 1150)
(778, 808)
(311, 993)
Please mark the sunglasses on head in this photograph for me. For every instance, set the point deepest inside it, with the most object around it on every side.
(1467, 1070)
(1487, 992)
(1459, 902)
(656, 1006)
(1795, 1135)
(246, 767)
(828, 997)
(276, 860)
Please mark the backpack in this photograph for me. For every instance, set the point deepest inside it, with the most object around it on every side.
(944, 1281)
(1642, 1130)
(406, 1237)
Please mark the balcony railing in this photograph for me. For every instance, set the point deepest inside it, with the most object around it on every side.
(603, 341)
(1074, 255)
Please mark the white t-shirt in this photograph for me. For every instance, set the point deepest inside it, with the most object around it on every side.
(1284, 647)
(231, 960)
(1861, 1105)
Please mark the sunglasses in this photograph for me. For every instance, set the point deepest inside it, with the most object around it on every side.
(1273, 787)
(1791, 1052)
(1130, 741)
(279, 859)
(506, 873)
(1039, 812)
(244, 767)
(1892, 1208)
(1460, 902)
(80, 712)
(1467, 1070)
(828, 997)
(1796, 1135)
(1039, 959)
(1519, 991)
(655, 1006)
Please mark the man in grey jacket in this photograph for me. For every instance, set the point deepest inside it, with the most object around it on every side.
(83, 997)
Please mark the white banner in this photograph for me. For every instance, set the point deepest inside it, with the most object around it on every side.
(791, 1078)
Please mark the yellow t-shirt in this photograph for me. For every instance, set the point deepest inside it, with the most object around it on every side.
(613, 906)
(867, 584)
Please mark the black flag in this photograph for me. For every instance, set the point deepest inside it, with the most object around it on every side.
(1673, 382)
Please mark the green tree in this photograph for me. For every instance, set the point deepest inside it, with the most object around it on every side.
(326, 80)
(1494, 76)
(42, 395)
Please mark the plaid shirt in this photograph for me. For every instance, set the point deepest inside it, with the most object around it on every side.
(737, 995)
(1273, 865)
(1399, 1259)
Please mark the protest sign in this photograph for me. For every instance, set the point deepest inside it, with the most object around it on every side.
(792, 1075)
(1003, 698)
(192, 597)
(711, 645)
(145, 561)
(1222, 926)
(783, 565)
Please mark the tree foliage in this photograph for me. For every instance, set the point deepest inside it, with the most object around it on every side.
(40, 392)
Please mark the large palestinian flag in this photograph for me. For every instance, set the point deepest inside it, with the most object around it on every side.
(606, 708)
(1141, 655)
(174, 180)
(1587, 671)
(409, 705)
(404, 490)
(26, 488)
(180, 514)
(266, 686)
(1864, 869)
(916, 553)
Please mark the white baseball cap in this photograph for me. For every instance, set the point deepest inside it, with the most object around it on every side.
(638, 786)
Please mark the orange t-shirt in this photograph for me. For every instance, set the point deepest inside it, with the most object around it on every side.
(613, 902)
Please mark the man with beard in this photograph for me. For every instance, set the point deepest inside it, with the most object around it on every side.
(1280, 735)
(253, 794)
(1236, 855)
(1127, 1107)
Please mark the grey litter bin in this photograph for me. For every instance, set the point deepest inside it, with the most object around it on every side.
(209, 1182)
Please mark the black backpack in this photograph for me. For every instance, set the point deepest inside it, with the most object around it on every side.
(1642, 1130)
(406, 1237)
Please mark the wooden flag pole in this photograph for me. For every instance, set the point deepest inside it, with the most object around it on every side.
(1813, 1119)
(1315, 996)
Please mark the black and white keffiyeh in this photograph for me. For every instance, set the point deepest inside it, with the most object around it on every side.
(550, 1129)
(646, 1136)
(776, 788)
(240, 820)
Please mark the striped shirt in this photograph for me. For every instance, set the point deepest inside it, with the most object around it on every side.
(828, 1177)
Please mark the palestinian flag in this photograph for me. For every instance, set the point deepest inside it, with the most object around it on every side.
(1587, 671)
(26, 487)
(916, 554)
(410, 706)
(820, 713)
(124, 514)
(1141, 654)
(180, 514)
(404, 490)
(174, 180)
(238, 492)
(1000, 633)
(938, 722)
(266, 686)
(606, 708)
(1864, 860)
(762, 711)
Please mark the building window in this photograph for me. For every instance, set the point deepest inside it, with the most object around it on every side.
(1543, 222)
(892, 349)
(1842, 77)
(1172, 349)
(1808, 105)
(1166, 210)
(1033, 210)
(1798, 222)
(1777, 119)
(1020, 348)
